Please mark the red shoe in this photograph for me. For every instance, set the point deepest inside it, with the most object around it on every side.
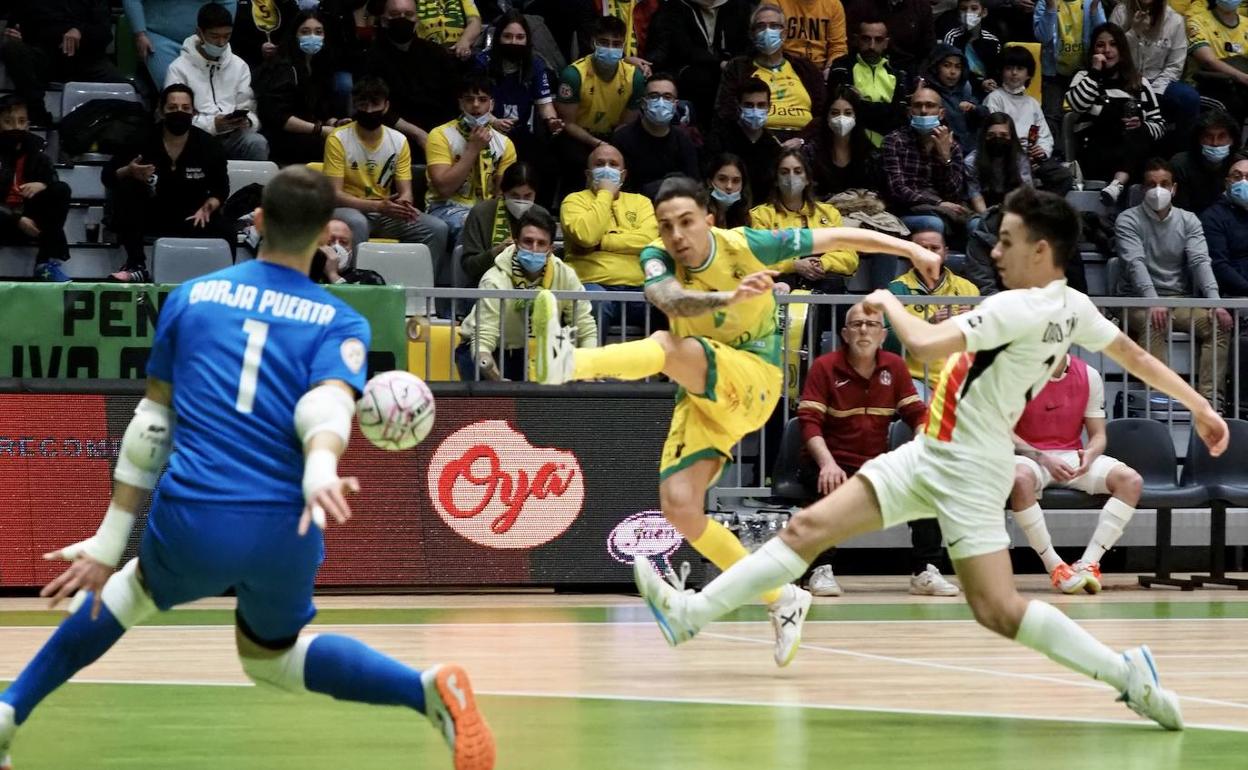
(1067, 580)
(1091, 572)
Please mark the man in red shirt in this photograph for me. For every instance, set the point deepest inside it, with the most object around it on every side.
(851, 396)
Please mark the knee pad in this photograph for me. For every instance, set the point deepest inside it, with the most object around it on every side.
(280, 671)
(126, 597)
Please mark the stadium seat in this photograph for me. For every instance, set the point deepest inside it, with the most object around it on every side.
(458, 278)
(401, 264)
(1226, 479)
(1146, 446)
(77, 94)
(245, 172)
(84, 181)
(180, 259)
(899, 433)
(784, 479)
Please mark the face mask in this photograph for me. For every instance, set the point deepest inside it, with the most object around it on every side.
(307, 5)
(606, 56)
(517, 207)
(512, 51)
(607, 174)
(753, 117)
(1228, 5)
(724, 197)
(476, 121)
(970, 19)
(924, 124)
(530, 261)
(841, 125)
(997, 147)
(768, 40)
(11, 141)
(401, 31)
(311, 44)
(344, 256)
(1015, 90)
(659, 111)
(178, 123)
(1239, 193)
(792, 184)
(369, 121)
(213, 51)
(1215, 153)
(1157, 199)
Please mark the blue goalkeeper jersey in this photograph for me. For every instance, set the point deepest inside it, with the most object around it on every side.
(241, 346)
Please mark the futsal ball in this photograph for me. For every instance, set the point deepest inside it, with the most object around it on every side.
(396, 411)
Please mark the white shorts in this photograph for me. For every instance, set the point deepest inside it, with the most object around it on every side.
(924, 479)
(1091, 483)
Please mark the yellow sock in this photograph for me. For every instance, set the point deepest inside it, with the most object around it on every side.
(622, 361)
(723, 548)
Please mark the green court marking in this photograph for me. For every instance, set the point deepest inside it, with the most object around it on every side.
(204, 728)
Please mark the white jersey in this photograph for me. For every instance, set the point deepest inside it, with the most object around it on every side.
(1014, 342)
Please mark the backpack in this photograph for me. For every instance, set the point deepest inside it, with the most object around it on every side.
(103, 125)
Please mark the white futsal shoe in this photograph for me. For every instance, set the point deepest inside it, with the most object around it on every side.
(788, 615)
(554, 343)
(823, 582)
(8, 728)
(1145, 695)
(930, 582)
(668, 604)
(452, 708)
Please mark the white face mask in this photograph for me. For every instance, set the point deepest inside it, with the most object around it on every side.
(344, 256)
(841, 125)
(1015, 90)
(1157, 199)
(970, 19)
(516, 207)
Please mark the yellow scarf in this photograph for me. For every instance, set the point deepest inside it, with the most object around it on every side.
(502, 224)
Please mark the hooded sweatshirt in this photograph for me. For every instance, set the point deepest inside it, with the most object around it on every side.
(483, 322)
(965, 125)
(220, 86)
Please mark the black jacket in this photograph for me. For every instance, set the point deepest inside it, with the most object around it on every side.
(45, 22)
(423, 81)
(678, 37)
(199, 174)
(26, 162)
(881, 117)
(759, 157)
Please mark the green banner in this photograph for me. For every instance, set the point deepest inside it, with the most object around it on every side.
(104, 330)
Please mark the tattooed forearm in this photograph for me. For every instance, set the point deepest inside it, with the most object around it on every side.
(669, 297)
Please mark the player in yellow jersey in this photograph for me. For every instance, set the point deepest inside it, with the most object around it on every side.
(723, 351)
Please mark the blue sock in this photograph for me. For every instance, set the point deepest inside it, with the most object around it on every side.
(77, 643)
(348, 669)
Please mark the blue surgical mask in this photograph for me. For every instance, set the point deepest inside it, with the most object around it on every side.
(606, 56)
(1215, 153)
(659, 111)
(1239, 192)
(924, 124)
(478, 121)
(307, 5)
(754, 117)
(1229, 5)
(530, 261)
(607, 174)
(726, 198)
(211, 50)
(311, 44)
(768, 40)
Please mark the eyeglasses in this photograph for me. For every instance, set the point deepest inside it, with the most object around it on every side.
(1235, 176)
(864, 326)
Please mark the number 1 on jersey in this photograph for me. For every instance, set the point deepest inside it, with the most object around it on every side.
(257, 334)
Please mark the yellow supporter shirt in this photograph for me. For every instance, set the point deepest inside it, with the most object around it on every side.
(768, 217)
(1070, 45)
(1206, 29)
(790, 104)
(443, 21)
(367, 171)
(909, 283)
(814, 30)
(446, 146)
(600, 104)
(603, 236)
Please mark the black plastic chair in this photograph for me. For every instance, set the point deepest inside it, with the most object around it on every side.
(898, 433)
(1226, 478)
(1146, 446)
(785, 482)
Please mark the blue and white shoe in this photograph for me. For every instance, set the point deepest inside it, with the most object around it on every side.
(51, 271)
(667, 603)
(1145, 695)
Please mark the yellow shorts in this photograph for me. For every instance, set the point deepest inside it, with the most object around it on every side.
(741, 393)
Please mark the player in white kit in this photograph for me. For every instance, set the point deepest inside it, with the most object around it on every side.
(961, 466)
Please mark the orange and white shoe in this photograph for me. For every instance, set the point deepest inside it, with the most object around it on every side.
(1091, 572)
(1066, 579)
(452, 708)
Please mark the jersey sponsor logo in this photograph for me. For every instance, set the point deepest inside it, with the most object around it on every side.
(491, 486)
(353, 354)
(841, 383)
(886, 377)
(645, 535)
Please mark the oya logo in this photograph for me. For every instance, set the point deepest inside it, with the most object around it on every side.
(493, 487)
(645, 535)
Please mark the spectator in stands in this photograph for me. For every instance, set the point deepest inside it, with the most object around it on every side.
(294, 93)
(946, 74)
(815, 30)
(910, 283)
(259, 28)
(1018, 67)
(748, 137)
(370, 167)
(997, 166)
(597, 94)
(529, 263)
(1165, 254)
(841, 155)
(1049, 441)
(910, 25)
(880, 87)
(56, 40)
(1217, 41)
(605, 229)
(1200, 171)
(652, 147)
(791, 203)
(225, 105)
(521, 85)
(635, 15)
(844, 427)
(491, 224)
(453, 24)
(334, 261)
(36, 203)
(1157, 37)
(422, 76)
(729, 185)
(160, 27)
(1118, 117)
(923, 167)
(1064, 29)
(467, 157)
(173, 183)
(796, 85)
(1225, 223)
(980, 47)
(695, 39)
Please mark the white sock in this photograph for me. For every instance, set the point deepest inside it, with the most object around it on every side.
(1114, 518)
(771, 566)
(1045, 629)
(1031, 519)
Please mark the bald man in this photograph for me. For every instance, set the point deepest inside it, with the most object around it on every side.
(605, 230)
